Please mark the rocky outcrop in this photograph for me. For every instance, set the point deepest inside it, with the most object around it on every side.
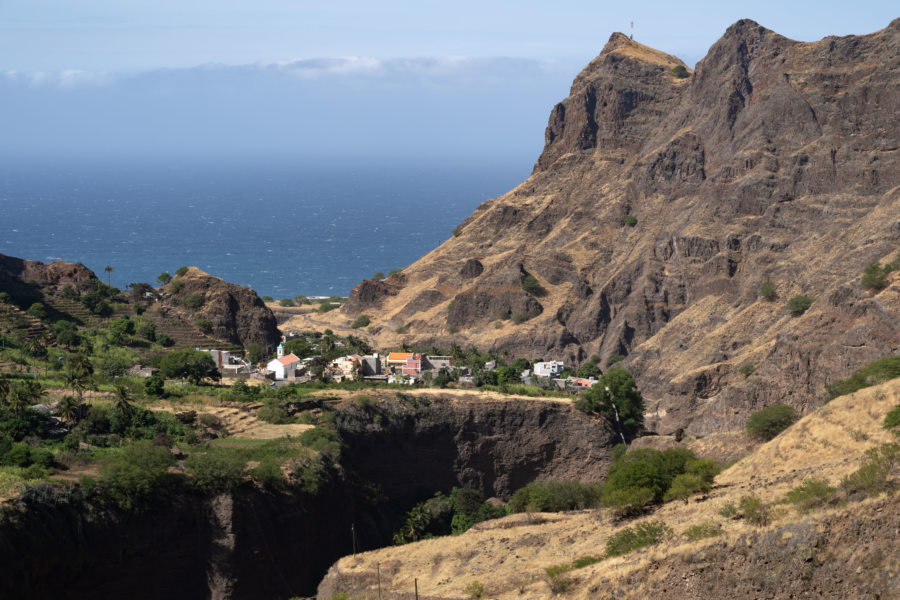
(235, 313)
(660, 204)
(417, 443)
(31, 278)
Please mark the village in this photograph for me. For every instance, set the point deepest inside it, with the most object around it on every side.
(393, 367)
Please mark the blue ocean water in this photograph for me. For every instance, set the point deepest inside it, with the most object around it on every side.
(285, 228)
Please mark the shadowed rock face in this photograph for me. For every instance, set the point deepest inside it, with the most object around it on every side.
(48, 278)
(775, 160)
(235, 313)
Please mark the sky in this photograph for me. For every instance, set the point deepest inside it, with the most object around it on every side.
(398, 78)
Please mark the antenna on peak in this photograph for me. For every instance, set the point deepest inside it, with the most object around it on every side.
(631, 36)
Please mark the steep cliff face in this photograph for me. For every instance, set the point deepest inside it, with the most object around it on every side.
(774, 160)
(235, 313)
(258, 544)
(418, 444)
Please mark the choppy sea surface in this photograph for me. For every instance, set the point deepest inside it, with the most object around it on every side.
(284, 228)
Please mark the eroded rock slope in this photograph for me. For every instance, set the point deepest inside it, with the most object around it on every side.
(775, 160)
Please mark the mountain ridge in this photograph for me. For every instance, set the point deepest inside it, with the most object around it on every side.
(773, 160)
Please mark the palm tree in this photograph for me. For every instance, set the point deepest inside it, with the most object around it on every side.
(69, 409)
(108, 270)
(79, 372)
(122, 399)
(18, 399)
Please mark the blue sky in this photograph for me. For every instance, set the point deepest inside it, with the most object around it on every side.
(300, 77)
(140, 34)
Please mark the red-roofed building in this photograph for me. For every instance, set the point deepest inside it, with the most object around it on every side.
(284, 366)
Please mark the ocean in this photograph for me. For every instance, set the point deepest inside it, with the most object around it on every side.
(282, 228)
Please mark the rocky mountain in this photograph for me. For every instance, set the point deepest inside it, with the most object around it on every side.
(233, 313)
(30, 278)
(663, 199)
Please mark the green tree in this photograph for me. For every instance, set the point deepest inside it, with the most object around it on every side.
(765, 424)
(164, 278)
(874, 277)
(137, 474)
(79, 374)
(69, 409)
(154, 386)
(38, 311)
(18, 399)
(767, 290)
(255, 352)
(188, 364)
(66, 334)
(616, 396)
(122, 399)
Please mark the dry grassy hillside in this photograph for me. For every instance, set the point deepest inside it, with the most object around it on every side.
(839, 552)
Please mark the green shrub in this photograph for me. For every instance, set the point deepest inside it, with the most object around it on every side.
(767, 290)
(747, 370)
(194, 301)
(164, 340)
(287, 302)
(176, 286)
(216, 470)
(181, 271)
(451, 329)
(457, 231)
(558, 578)
(267, 299)
(614, 358)
(326, 306)
(680, 72)
(765, 424)
(203, 324)
(532, 286)
(702, 531)
(754, 510)
(874, 276)
(137, 474)
(475, 590)
(799, 305)
(321, 440)
(38, 311)
(628, 502)
(684, 486)
(729, 511)
(518, 318)
(874, 474)
(646, 468)
(874, 373)
(272, 411)
(629, 220)
(268, 474)
(639, 536)
(892, 419)
(360, 321)
(17, 456)
(811, 494)
(554, 496)
(586, 561)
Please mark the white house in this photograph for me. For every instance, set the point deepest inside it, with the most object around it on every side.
(549, 368)
(284, 366)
